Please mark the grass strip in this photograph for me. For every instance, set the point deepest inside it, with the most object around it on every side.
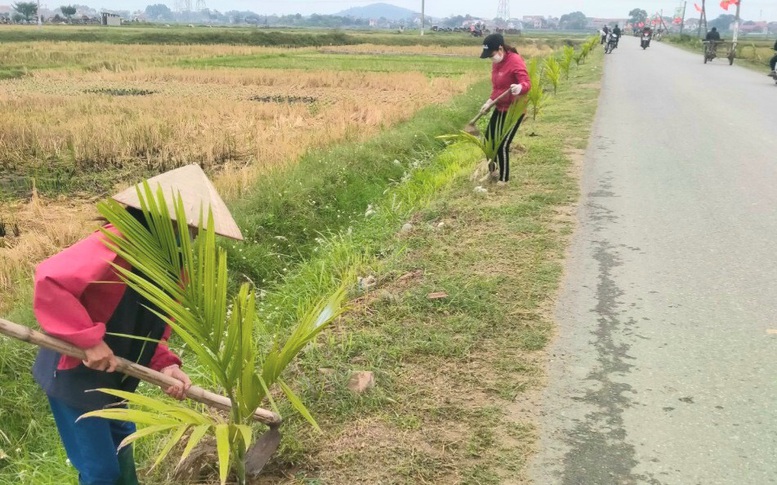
(455, 375)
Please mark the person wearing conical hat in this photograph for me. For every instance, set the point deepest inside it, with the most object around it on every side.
(73, 303)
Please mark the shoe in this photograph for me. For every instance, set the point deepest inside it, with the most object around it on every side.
(501, 184)
(773, 74)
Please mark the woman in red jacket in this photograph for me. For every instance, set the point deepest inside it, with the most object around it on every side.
(80, 299)
(508, 72)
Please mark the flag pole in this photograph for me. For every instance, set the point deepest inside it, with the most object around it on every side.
(703, 17)
(736, 24)
(682, 22)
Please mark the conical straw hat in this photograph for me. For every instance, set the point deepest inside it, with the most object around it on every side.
(197, 193)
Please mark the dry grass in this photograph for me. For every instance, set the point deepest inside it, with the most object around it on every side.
(48, 226)
(206, 117)
(54, 119)
(458, 51)
(99, 56)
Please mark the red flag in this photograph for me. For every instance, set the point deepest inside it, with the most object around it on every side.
(698, 8)
(733, 2)
(724, 5)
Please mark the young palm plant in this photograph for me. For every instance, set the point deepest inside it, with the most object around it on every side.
(552, 72)
(186, 284)
(568, 55)
(537, 97)
(490, 142)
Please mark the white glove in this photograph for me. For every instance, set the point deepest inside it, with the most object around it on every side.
(487, 106)
(516, 89)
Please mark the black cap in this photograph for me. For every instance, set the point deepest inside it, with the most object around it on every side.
(490, 44)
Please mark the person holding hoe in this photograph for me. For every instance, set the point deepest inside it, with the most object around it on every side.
(79, 298)
(508, 73)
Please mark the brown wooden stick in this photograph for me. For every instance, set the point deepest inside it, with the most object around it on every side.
(26, 334)
(472, 122)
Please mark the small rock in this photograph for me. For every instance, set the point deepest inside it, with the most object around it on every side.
(480, 190)
(407, 228)
(440, 225)
(361, 381)
(325, 371)
(367, 282)
(387, 296)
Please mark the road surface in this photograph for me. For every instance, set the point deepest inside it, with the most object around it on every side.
(664, 370)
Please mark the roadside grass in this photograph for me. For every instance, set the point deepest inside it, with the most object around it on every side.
(754, 54)
(455, 375)
(450, 402)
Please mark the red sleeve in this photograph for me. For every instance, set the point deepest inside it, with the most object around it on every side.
(59, 283)
(163, 357)
(521, 75)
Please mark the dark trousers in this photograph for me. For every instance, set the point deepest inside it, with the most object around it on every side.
(91, 445)
(773, 62)
(503, 153)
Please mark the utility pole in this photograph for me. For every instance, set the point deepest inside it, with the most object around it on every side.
(40, 21)
(736, 24)
(703, 17)
(423, 17)
(682, 22)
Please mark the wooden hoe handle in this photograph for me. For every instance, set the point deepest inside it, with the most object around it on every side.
(26, 334)
(495, 101)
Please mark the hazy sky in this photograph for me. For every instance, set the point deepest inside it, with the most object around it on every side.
(751, 9)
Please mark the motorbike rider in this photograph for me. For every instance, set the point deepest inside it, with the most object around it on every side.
(617, 32)
(773, 63)
(605, 33)
(713, 36)
(647, 34)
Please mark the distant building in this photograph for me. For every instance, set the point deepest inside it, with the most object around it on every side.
(598, 23)
(111, 19)
(536, 22)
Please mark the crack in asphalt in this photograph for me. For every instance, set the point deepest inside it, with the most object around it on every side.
(598, 451)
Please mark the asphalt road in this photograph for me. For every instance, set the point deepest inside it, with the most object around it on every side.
(663, 371)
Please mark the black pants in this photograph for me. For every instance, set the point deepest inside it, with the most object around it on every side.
(773, 62)
(503, 153)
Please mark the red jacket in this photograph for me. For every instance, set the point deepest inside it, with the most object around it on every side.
(512, 70)
(77, 292)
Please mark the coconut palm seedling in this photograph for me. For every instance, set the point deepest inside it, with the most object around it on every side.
(568, 55)
(492, 139)
(552, 72)
(185, 281)
(537, 96)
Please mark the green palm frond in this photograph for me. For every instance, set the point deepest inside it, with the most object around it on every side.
(553, 72)
(186, 283)
(489, 142)
(568, 55)
(537, 97)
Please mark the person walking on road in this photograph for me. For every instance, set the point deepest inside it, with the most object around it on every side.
(508, 72)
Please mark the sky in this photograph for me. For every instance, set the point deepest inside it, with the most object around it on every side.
(751, 9)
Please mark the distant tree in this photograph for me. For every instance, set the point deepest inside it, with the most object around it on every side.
(723, 22)
(573, 21)
(637, 16)
(68, 11)
(26, 9)
(455, 21)
(159, 11)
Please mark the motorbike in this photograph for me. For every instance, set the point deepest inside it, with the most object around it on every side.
(645, 43)
(612, 40)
